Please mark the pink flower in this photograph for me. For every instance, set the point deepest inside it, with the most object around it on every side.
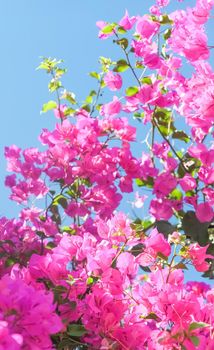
(60, 111)
(113, 279)
(200, 151)
(146, 28)
(198, 255)
(113, 81)
(201, 12)
(127, 265)
(30, 314)
(8, 340)
(188, 38)
(101, 259)
(158, 243)
(152, 60)
(127, 22)
(164, 184)
(161, 209)
(187, 183)
(162, 3)
(199, 288)
(131, 335)
(126, 184)
(10, 180)
(12, 155)
(161, 150)
(111, 109)
(204, 212)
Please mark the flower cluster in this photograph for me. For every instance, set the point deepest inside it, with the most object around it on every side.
(78, 273)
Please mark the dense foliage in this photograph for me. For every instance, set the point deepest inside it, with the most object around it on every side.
(76, 271)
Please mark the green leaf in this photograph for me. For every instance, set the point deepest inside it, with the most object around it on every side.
(90, 280)
(50, 245)
(148, 183)
(154, 18)
(67, 343)
(139, 65)
(60, 199)
(89, 99)
(145, 268)
(94, 75)
(49, 64)
(164, 51)
(93, 93)
(70, 97)
(123, 43)
(76, 330)
(69, 111)
(137, 249)
(102, 83)
(162, 256)
(55, 214)
(164, 120)
(180, 135)
(147, 223)
(191, 165)
(59, 72)
(163, 115)
(121, 66)
(194, 229)
(121, 30)
(195, 340)
(10, 261)
(176, 194)
(108, 28)
(54, 85)
(131, 91)
(197, 325)
(190, 193)
(40, 234)
(105, 63)
(42, 218)
(164, 19)
(86, 107)
(165, 227)
(167, 33)
(98, 106)
(139, 116)
(166, 129)
(180, 266)
(152, 316)
(146, 80)
(49, 106)
(68, 229)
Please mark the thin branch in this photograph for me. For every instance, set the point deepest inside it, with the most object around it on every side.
(170, 145)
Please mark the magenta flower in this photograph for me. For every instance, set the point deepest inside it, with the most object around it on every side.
(204, 212)
(127, 22)
(113, 81)
(29, 313)
(111, 109)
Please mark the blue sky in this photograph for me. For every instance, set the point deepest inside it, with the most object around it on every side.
(63, 29)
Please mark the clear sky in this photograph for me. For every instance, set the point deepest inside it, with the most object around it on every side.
(63, 29)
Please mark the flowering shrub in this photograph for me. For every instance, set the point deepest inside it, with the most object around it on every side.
(76, 272)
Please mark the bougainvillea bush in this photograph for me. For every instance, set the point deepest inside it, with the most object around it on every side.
(76, 271)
